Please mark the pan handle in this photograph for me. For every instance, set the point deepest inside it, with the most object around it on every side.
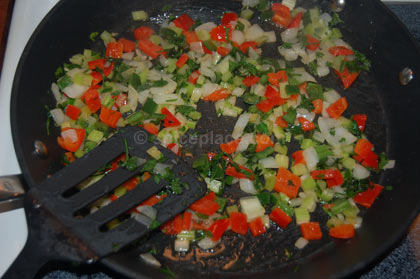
(47, 240)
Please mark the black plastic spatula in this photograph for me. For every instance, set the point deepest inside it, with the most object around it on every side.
(85, 237)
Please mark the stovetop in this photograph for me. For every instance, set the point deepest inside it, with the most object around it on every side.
(403, 262)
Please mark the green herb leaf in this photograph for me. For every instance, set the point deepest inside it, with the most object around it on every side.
(93, 36)
(159, 83)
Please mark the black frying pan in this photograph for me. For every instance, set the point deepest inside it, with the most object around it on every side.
(391, 108)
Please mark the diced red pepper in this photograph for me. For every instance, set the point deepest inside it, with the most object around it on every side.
(360, 120)
(340, 50)
(120, 100)
(218, 228)
(98, 63)
(228, 18)
(365, 155)
(344, 231)
(113, 197)
(109, 117)
(257, 227)
(205, 206)
(281, 14)
(265, 105)
(295, 23)
(281, 122)
(73, 112)
(131, 183)
(287, 183)
(336, 109)
(231, 171)
(346, 77)
(332, 177)
(151, 128)
(302, 87)
(263, 141)
(91, 99)
(170, 119)
(211, 196)
(276, 78)
(230, 147)
(223, 51)
(245, 45)
(217, 95)
(69, 158)
(184, 22)
(194, 77)
(186, 221)
(114, 50)
(218, 33)
(367, 197)
(318, 104)
(153, 200)
(250, 81)
(313, 43)
(306, 124)
(128, 46)
(96, 78)
(71, 138)
(182, 60)
(143, 32)
(280, 218)
(149, 48)
(311, 231)
(191, 37)
(178, 224)
(239, 223)
(174, 147)
(168, 227)
(298, 157)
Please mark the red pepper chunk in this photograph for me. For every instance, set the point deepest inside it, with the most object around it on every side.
(178, 224)
(336, 109)
(96, 78)
(110, 117)
(143, 32)
(246, 45)
(217, 95)
(114, 50)
(346, 77)
(168, 228)
(287, 183)
(231, 171)
(298, 157)
(306, 124)
(295, 23)
(230, 147)
(228, 18)
(223, 51)
(281, 14)
(318, 105)
(184, 22)
(218, 228)
(280, 218)
(98, 63)
(128, 46)
(153, 200)
(191, 37)
(73, 112)
(218, 33)
(311, 231)
(170, 119)
(238, 222)
(92, 100)
(367, 197)
(151, 128)
(331, 176)
(194, 77)
(257, 227)
(344, 231)
(360, 120)
(340, 50)
(149, 48)
(276, 78)
(364, 153)
(265, 105)
(250, 81)
(186, 221)
(131, 183)
(206, 205)
(263, 141)
(71, 139)
(313, 43)
(281, 122)
(182, 60)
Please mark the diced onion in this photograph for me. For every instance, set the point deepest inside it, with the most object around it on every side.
(197, 47)
(58, 116)
(168, 99)
(269, 163)
(240, 125)
(252, 207)
(238, 37)
(253, 33)
(143, 219)
(150, 260)
(389, 165)
(301, 112)
(301, 243)
(75, 90)
(163, 61)
(128, 56)
(208, 26)
(182, 245)
(206, 243)
(331, 96)
(247, 186)
(250, 3)
(271, 37)
(70, 134)
(161, 168)
(246, 140)
(318, 137)
(148, 211)
(238, 91)
(296, 202)
(311, 157)
(360, 172)
(288, 53)
(167, 89)
(208, 73)
(289, 35)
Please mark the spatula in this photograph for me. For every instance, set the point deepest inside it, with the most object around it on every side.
(87, 231)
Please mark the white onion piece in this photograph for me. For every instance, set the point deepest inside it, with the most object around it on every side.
(318, 137)
(238, 91)
(358, 223)
(338, 189)
(301, 243)
(247, 186)
(150, 260)
(258, 89)
(167, 89)
(75, 90)
(295, 202)
(302, 75)
(389, 165)
(266, 221)
(181, 245)
(168, 99)
(269, 163)
(143, 95)
(250, 3)
(197, 47)
(223, 66)
(128, 56)
(325, 125)
(289, 35)
(360, 172)
(58, 116)
(70, 134)
(163, 61)
(253, 33)
(132, 98)
(143, 219)
(56, 92)
(288, 53)
(301, 112)
(208, 73)
(252, 207)
(208, 26)
(141, 161)
(208, 88)
(206, 243)
(342, 133)
(331, 96)
(311, 157)
(340, 42)
(252, 53)
(121, 86)
(148, 211)
(246, 140)
(271, 37)
(325, 17)
(240, 125)
(289, 3)
(161, 168)
(238, 36)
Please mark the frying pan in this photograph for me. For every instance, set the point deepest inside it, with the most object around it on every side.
(392, 114)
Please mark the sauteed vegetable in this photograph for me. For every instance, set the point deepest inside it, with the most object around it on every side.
(155, 80)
